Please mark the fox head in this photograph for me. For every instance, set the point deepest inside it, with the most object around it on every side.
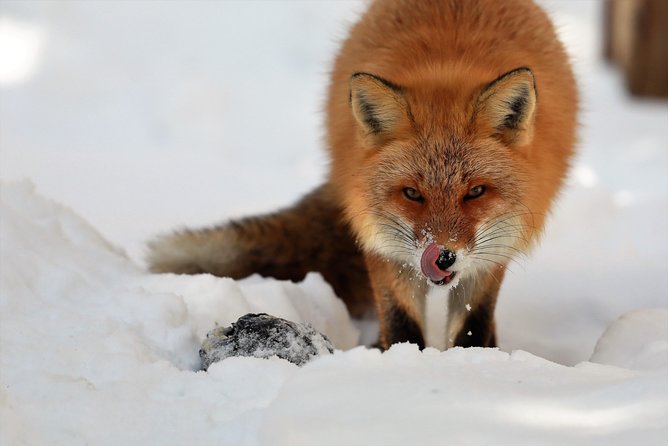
(443, 181)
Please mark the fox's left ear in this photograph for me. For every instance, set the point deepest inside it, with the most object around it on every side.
(507, 107)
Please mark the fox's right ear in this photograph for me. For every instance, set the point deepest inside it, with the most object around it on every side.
(378, 107)
(507, 106)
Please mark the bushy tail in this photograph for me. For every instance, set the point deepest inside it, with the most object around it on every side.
(309, 236)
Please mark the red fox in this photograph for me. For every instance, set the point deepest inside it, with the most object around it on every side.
(450, 125)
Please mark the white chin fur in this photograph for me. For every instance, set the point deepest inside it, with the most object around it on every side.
(447, 286)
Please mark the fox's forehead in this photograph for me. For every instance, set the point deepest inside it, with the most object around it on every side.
(441, 160)
(442, 107)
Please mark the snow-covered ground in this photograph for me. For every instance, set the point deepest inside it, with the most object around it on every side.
(95, 351)
(142, 116)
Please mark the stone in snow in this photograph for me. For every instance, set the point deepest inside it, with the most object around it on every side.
(263, 336)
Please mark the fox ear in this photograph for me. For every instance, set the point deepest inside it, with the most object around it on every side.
(378, 106)
(507, 107)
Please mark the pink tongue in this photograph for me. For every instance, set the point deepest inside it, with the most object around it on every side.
(428, 263)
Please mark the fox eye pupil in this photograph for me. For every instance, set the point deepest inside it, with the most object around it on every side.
(475, 192)
(412, 194)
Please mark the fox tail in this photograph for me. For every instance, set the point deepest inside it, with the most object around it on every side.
(308, 236)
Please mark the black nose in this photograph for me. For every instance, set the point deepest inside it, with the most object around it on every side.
(445, 259)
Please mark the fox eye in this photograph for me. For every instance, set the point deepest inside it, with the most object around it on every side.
(475, 192)
(412, 194)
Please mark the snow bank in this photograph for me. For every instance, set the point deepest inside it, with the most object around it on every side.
(91, 344)
(637, 340)
(465, 396)
(95, 351)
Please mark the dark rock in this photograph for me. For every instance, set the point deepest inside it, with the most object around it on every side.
(262, 336)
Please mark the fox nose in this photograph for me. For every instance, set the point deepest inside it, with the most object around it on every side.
(445, 259)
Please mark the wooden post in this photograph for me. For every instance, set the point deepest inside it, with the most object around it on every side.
(636, 40)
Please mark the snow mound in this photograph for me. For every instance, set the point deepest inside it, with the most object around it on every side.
(96, 351)
(637, 340)
(264, 336)
(470, 396)
(81, 326)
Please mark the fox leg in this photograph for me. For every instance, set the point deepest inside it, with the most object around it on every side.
(398, 326)
(471, 311)
(478, 329)
(309, 236)
(399, 303)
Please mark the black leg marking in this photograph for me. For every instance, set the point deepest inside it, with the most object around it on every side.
(402, 328)
(478, 329)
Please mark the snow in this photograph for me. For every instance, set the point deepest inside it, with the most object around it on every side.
(462, 396)
(637, 340)
(143, 117)
(82, 327)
